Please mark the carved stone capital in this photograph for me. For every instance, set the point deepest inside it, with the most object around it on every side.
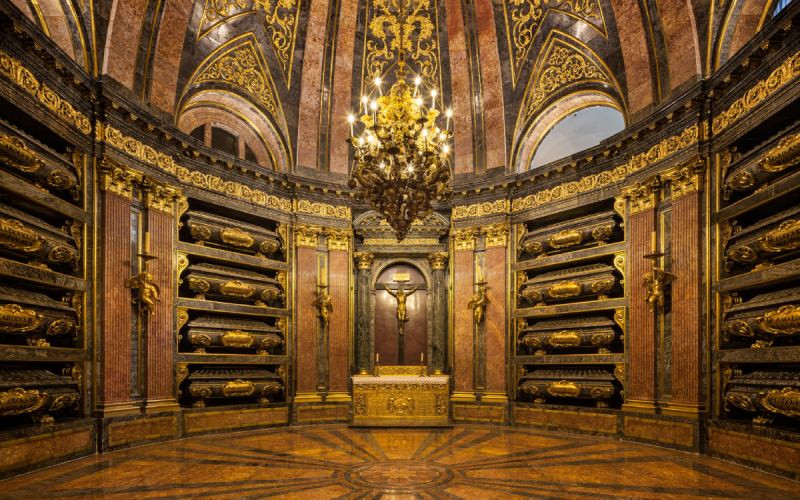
(496, 234)
(160, 196)
(642, 195)
(438, 260)
(364, 260)
(464, 239)
(686, 179)
(307, 235)
(338, 239)
(118, 179)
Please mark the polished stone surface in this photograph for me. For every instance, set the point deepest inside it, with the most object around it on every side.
(335, 461)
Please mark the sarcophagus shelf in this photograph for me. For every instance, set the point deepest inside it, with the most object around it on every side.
(766, 240)
(765, 318)
(548, 384)
(232, 234)
(230, 284)
(553, 335)
(234, 384)
(17, 156)
(233, 334)
(583, 282)
(41, 394)
(764, 394)
(34, 318)
(754, 172)
(31, 240)
(594, 229)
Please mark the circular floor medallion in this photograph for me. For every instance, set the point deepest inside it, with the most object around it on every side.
(398, 474)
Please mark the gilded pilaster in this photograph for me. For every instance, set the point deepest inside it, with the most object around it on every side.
(464, 239)
(307, 235)
(118, 179)
(496, 234)
(364, 261)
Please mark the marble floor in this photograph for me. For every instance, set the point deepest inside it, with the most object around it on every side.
(335, 461)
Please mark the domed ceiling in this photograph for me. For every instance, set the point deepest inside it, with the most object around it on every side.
(278, 77)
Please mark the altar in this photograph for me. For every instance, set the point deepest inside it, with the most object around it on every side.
(401, 396)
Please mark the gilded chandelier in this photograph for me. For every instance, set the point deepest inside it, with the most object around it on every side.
(402, 155)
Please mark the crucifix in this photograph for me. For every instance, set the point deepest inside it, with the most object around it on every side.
(400, 294)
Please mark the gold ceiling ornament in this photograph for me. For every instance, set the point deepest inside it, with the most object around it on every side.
(280, 23)
(401, 154)
(563, 62)
(523, 19)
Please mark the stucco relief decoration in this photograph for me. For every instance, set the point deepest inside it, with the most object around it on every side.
(562, 64)
(280, 22)
(524, 18)
(382, 39)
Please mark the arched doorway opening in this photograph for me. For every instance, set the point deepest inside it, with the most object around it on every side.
(401, 315)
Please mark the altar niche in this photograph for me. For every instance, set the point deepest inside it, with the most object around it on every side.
(401, 316)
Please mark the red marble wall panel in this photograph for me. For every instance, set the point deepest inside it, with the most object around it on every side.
(463, 329)
(492, 82)
(308, 124)
(122, 41)
(160, 326)
(342, 86)
(338, 335)
(496, 320)
(635, 53)
(680, 36)
(57, 25)
(115, 338)
(306, 320)
(641, 331)
(169, 46)
(459, 78)
(686, 332)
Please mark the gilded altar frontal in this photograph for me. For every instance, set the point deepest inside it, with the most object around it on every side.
(399, 249)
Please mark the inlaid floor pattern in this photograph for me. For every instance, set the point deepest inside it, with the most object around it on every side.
(338, 462)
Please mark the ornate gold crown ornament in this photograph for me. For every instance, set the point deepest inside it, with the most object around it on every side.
(401, 156)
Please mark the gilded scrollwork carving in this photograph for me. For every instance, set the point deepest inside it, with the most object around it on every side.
(464, 239)
(496, 234)
(307, 235)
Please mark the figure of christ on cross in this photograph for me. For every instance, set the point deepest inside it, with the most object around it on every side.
(402, 314)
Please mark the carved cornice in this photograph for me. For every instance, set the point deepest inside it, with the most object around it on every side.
(464, 239)
(406, 242)
(322, 209)
(338, 239)
(135, 148)
(642, 195)
(438, 260)
(364, 260)
(161, 197)
(655, 154)
(307, 236)
(758, 93)
(23, 78)
(685, 179)
(118, 179)
(496, 234)
(496, 207)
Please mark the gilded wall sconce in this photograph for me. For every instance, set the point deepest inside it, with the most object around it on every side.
(656, 281)
(478, 303)
(324, 305)
(147, 289)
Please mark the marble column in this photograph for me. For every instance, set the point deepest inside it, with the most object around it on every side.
(641, 336)
(364, 262)
(338, 241)
(438, 354)
(306, 239)
(160, 391)
(464, 327)
(687, 379)
(495, 314)
(114, 349)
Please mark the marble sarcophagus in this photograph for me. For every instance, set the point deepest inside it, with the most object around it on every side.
(32, 240)
(755, 172)
(233, 334)
(35, 318)
(592, 332)
(230, 284)
(232, 384)
(41, 394)
(21, 159)
(765, 318)
(760, 243)
(583, 282)
(546, 384)
(232, 234)
(764, 394)
(594, 229)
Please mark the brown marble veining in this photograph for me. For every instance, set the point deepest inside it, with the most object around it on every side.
(462, 105)
(634, 48)
(334, 461)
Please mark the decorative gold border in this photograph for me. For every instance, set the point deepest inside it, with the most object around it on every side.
(496, 207)
(322, 209)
